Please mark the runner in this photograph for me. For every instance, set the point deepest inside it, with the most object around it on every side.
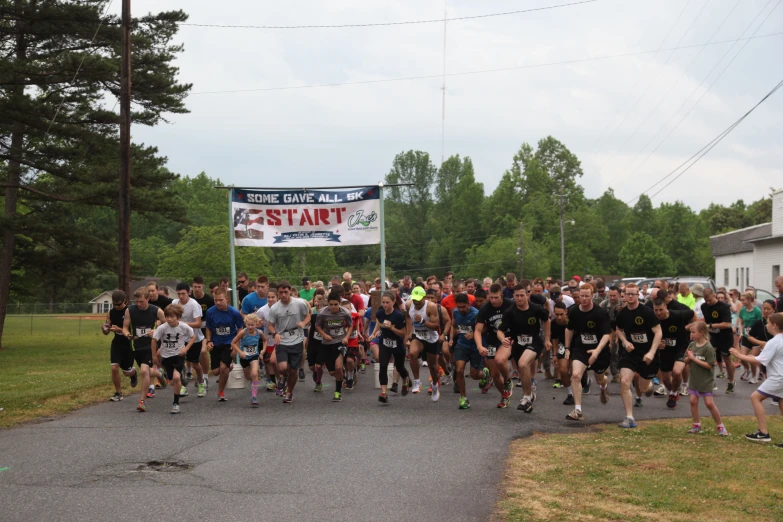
(248, 343)
(749, 315)
(223, 323)
(156, 296)
(639, 334)
(465, 350)
(523, 324)
(674, 340)
(315, 352)
(138, 325)
(701, 356)
(444, 320)
(759, 335)
(390, 326)
(121, 353)
(255, 301)
(273, 381)
(587, 334)
(717, 315)
(191, 316)
(176, 339)
(352, 355)
(287, 320)
(612, 305)
(334, 325)
(206, 302)
(486, 338)
(558, 336)
(422, 325)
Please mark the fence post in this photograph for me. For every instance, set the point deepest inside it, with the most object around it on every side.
(80, 325)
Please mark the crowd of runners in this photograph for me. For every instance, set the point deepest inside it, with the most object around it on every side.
(663, 341)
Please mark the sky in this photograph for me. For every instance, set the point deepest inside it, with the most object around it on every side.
(631, 120)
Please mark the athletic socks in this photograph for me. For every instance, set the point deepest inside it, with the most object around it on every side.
(254, 388)
(570, 392)
(528, 397)
(338, 385)
(578, 407)
(273, 378)
(176, 399)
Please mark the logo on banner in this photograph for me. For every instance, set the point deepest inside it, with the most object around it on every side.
(358, 218)
(296, 236)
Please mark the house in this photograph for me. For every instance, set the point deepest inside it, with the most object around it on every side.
(751, 256)
(102, 303)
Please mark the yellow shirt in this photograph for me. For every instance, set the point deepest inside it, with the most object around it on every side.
(689, 300)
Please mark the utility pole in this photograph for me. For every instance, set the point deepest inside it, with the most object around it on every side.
(521, 250)
(124, 211)
(562, 238)
(443, 88)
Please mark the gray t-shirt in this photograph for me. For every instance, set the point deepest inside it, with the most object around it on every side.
(172, 339)
(284, 318)
(334, 325)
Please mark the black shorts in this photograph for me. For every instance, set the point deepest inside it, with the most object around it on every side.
(143, 357)
(330, 353)
(645, 371)
(517, 350)
(353, 353)
(245, 363)
(122, 355)
(194, 354)
(435, 348)
(314, 353)
(670, 355)
(723, 351)
(746, 343)
(220, 354)
(173, 363)
(601, 364)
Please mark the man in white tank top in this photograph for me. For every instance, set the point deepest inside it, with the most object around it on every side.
(423, 327)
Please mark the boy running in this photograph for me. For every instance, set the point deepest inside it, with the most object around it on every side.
(223, 323)
(334, 325)
(121, 352)
(138, 325)
(466, 350)
(170, 343)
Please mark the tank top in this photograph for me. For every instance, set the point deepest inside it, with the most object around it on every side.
(421, 332)
(249, 343)
(142, 322)
(117, 318)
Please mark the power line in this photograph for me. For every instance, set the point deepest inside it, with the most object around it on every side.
(382, 24)
(480, 71)
(704, 150)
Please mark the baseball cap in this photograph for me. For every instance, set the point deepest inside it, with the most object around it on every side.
(577, 279)
(698, 290)
(305, 279)
(418, 294)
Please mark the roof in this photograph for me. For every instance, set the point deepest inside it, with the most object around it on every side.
(95, 299)
(738, 241)
(144, 281)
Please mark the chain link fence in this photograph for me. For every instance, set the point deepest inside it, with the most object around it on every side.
(54, 319)
(56, 308)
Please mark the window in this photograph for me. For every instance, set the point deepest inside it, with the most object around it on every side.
(775, 274)
(725, 277)
(106, 307)
(747, 276)
(736, 276)
(742, 276)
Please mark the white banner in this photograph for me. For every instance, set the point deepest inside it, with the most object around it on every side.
(306, 218)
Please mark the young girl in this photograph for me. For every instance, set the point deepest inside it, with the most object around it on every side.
(748, 316)
(249, 343)
(701, 357)
(174, 339)
(772, 357)
(759, 335)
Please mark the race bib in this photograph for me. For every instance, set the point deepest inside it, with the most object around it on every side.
(142, 331)
(288, 334)
(747, 331)
(423, 333)
(714, 330)
(524, 340)
(336, 332)
(491, 351)
(389, 343)
(354, 334)
(251, 349)
(639, 338)
(223, 330)
(561, 350)
(464, 329)
(670, 342)
(589, 339)
(317, 336)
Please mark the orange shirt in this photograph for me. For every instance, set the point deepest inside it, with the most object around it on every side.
(450, 302)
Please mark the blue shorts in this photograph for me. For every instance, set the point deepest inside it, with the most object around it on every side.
(468, 354)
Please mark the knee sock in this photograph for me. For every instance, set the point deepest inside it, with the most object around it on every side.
(254, 388)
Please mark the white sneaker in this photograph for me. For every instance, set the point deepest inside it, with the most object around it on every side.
(424, 364)
(416, 386)
(435, 393)
(683, 389)
(753, 380)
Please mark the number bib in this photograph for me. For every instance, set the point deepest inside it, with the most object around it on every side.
(640, 338)
(251, 349)
(714, 330)
(670, 342)
(561, 350)
(223, 330)
(317, 336)
(142, 331)
(390, 343)
(747, 331)
(491, 350)
(589, 339)
(524, 340)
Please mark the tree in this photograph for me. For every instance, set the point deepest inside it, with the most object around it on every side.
(58, 138)
(642, 256)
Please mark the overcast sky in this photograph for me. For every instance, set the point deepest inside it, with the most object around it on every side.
(611, 113)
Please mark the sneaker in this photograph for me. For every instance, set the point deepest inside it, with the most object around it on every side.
(142, 406)
(162, 379)
(604, 395)
(254, 402)
(656, 382)
(508, 387)
(684, 389)
(745, 375)
(730, 388)
(174, 409)
(416, 386)
(318, 387)
(721, 375)
(206, 383)
(488, 386)
(483, 381)
(503, 404)
(189, 376)
(151, 392)
(435, 393)
(757, 436)
(337, 397)
(424, 364)
(393, 388)
(525, 405)
(660, 391)
(616, 379)
(628, 423)
(696, 428)
(349, 384)
(464, 403)
(638, 402)
(301, 375)
(406, 385)
(288, 398)
(672, 402)
(753, 380)
(279, 392)
(383, 398)
(201, 390)
(586, 389)
(557, 384)
(515, 375)
(183, 392)
(445, 380)
(569, 401)
(222, 397)
(134, 379)
(575, 415)
(117, 397)
(363, 368)
(429, 390)
(722, 431)
(270, 386)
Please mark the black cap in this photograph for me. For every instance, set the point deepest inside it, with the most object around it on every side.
(305, 279)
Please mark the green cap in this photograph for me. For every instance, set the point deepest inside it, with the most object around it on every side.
(418, 293)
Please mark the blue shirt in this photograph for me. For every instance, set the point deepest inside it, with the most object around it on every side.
(252, 303)
(224, 325)
(465, 324)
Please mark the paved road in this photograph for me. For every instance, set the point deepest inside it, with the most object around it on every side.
(310, 460)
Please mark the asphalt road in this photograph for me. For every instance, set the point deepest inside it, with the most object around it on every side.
(309, 460)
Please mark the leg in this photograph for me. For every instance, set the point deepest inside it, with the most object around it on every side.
(626, 379)
(432, 362)
(116, 378)
(461, 377)
(383, 373)
(677, 371)
(415, 350)
(222, 373)
(565, 375)
(494, 371)
(758, 408)
(527, 366)
(695, 408)
(145, 376)
(577, 370)
(709, 402)
(502, 375)
(729, 366)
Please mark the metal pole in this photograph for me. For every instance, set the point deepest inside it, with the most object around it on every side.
(562, 240)
(383, 240)
(231, 247)
(124, 211)
(521, 249)
(443, 88)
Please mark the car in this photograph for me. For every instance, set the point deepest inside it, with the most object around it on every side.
(707, 282)
(763, 295)
(651, 281)
(625, 280)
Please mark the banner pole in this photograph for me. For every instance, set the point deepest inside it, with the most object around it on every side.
(231, 247)
(383, 239)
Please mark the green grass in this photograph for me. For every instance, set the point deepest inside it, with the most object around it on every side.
(657, 472)
(53, 371)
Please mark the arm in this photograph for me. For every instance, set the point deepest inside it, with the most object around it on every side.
(623, 341)
(185, 348)
(208, 336)
(126, 325)
(160, 319)
(569, 338)
(479, 330)
(235, 344)
(747, 358)
(348, 332)
(658, 334)
(692, 358)
(198, 322)
(431, 317)
(595, 352)
(303, 324)
(155, 354)
(447, 325)
(548, 334)
(107, 331)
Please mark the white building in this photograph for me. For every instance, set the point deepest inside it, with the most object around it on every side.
(751, 256)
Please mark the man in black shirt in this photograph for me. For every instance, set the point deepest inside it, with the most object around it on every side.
(717, 315)
(486, 338)
(674, 341)
(639, 333)
(242, 291)
(558, 336)
(206, 302)
(156, 296)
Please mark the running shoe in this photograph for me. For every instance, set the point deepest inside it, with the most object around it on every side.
(363, 368)
(586, 389)
(745, 375)
(508, 387)
(189, 375)
(504, 401)
(162, 379)
(201, 390)
(134, 379)
(117, 397)
(730, 388)
(671, 403)
(464, 403)
(254, 402)
(183, 392)
(416, 386)
(429, 390)
(576, 415)
(174, 409)
(515, 375)
(337, 397)
(628, 423)
(695, 428)
(721, 375)
(483, 381)
(656, 382)
(446, 380)
(222, 397)
(525, 405)
(279, 392)
(394, 388)
(435, 393)
(604, 394)
(151, 392)
(289, 398)
(557, 384)
(722, 431)
(684, 389)
(758, 436)
(406, 385)
(383, 398)
(638, 402)
(660, 391)
(206, 383)
(425, 365)
(301, 375)
(142, 406)
(349, 384)
(270, 386)
(752, 380)
(569, 401)
(318, 387)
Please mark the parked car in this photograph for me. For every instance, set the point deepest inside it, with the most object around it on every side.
(707, 282)
(626, 280)
(651, 281)
(763, 295)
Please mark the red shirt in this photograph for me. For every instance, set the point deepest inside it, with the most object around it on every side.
(353, 340)
(357, 301)
(450, 302)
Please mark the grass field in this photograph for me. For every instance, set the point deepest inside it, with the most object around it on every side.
(53, 371)
(657, 472)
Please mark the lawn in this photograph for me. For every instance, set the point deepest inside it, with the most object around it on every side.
(657, 472)
(53, 371)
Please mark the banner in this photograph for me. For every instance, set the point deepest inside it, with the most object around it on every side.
(306, 218)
